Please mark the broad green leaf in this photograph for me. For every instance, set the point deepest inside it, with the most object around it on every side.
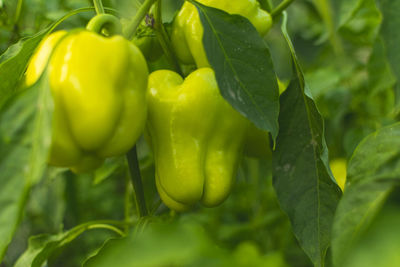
(303, 181)
(15, 59)
(379, 245)
(373, 171)
(243, 66)
(25, 126)
(40, 247)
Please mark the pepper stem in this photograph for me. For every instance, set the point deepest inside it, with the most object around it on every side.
(137, 19)
(163, 38)
(105, 21)
(136, 180)
(98, 5)
(280, 8)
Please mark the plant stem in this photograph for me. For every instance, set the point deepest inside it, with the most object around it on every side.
(18, 11)
(136, 179)
(140, 14)
(98, 5)
(127, 201)
(281, 7)
(325, 10)
(163, 38)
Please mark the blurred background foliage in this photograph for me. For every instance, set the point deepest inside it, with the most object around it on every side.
(346, 70)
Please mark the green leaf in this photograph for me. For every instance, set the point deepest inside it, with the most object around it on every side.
(42, 246)
(379, 72)
(379, 245)
(390, 24)
(25, 126)
(302, 179)
(373, 171)
(345, 10)
(389, 28)
(159, 244)
(243, 66)
(96, 251)
(107, 169)
(14, 60)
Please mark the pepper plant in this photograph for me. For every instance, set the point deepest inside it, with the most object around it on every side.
(199, 133)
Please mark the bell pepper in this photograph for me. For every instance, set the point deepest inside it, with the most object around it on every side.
(98, 87)
(339, 171)
(196, 136)
(187, 30)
